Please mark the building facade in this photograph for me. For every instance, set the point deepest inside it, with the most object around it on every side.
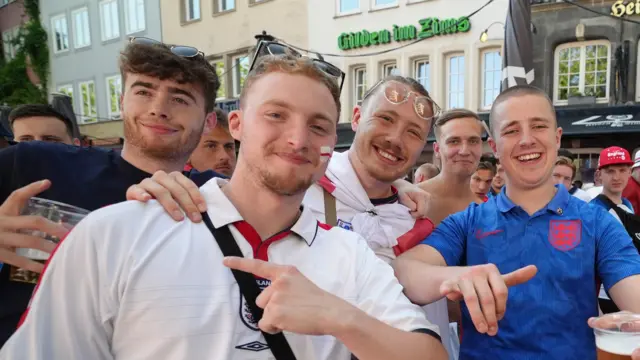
(225, 31)
(587, 59)
(443, 50)
(85, 39)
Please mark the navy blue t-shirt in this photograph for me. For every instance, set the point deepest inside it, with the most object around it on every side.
(89, 178)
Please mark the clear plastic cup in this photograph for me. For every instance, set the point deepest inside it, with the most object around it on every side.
(617, 335)
(60, 213)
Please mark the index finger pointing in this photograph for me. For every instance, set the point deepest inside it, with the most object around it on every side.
(256, 267)
(520, 276)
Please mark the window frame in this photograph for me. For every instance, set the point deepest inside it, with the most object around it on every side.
(581, 84)
(234, 75)
(219, 6)
(415, 66)
(483, 75)
(101, 5)
(88, 119)
(13, 48)
(75, 27)
(388, 65)
(448, 79)
(68, 86)
(113, 115)
(187, 4)
(222, 77)
(127, 15)
(53, 28)
(375, 6)
(356, 10)
(355, 70)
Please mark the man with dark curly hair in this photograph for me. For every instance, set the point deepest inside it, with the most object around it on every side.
(168, 96)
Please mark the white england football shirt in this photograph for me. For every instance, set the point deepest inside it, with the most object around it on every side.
(130, 283)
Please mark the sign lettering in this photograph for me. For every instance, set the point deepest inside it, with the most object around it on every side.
(622, 8)
(427, 28)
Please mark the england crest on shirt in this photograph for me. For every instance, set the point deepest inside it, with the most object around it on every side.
(245, 311)
(345, 225)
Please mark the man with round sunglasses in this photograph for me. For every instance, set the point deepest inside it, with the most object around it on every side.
(167, 99)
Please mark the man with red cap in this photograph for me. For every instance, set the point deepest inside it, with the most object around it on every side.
(614, 168)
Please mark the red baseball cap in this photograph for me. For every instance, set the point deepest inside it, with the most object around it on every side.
(614, 155)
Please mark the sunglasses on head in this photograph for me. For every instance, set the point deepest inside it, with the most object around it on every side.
(398, 93)
(180, 50)
(276, 48)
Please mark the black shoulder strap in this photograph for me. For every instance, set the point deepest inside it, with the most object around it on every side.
(611, 205)
(249, 288)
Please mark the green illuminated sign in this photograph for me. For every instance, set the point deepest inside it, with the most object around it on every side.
(429, 27)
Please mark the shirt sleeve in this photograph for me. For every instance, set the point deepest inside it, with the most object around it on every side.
(380, 295)
(450, 237)
(616, 256)
(65, 319)
(7, 167)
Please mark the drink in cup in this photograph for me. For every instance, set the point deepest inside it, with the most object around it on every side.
(60, 213)
(617, 336)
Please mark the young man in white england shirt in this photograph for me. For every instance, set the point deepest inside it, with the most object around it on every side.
(130, 282)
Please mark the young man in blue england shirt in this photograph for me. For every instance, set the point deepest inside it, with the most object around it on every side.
(574, 246)
(168, 96)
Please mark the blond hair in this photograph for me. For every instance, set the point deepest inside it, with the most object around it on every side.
(565, 161)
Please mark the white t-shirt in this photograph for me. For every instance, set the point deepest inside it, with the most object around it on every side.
(582, 195)
(131, 283)
(437, 312)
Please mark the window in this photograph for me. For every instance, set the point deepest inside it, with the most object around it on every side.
(422, 73)
(226, 5)
(240, 71)
(455, 81)
(9, 44)
(114, 90)
(219, 66)
(384, 3)
(191, 10)
(348, 6)
(67, 90)
(389, 69)
(491, 77)
(88, 98)
(109, 20)
(360, 84)
(134, 16)
(582, 69)
(81, 34)
(61, 37)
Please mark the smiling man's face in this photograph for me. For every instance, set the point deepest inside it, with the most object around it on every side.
(389, 137)
(459, 146)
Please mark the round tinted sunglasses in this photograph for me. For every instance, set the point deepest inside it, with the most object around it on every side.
(180, 50)
(398, 93)
(275, 48)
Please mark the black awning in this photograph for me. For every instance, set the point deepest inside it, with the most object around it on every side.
(599, 120)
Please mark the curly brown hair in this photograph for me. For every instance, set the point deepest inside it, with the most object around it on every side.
(290, 65)
(158, 61)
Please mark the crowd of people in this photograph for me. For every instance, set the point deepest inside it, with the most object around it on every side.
(283, 248)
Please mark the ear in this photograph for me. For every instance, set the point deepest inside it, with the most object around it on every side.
(419, 178)
(235, 124)
(122, 102)
(492, 145)
(210, 120)
(355, 118)
(436, 149)
(76, 141)
(558, 138)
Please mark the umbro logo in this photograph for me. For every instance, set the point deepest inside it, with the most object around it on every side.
(253, 346)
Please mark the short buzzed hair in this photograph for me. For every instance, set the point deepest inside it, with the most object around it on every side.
(428, 170)
(39, 110)
(517, 91)
(452, 115)
(222, 118)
